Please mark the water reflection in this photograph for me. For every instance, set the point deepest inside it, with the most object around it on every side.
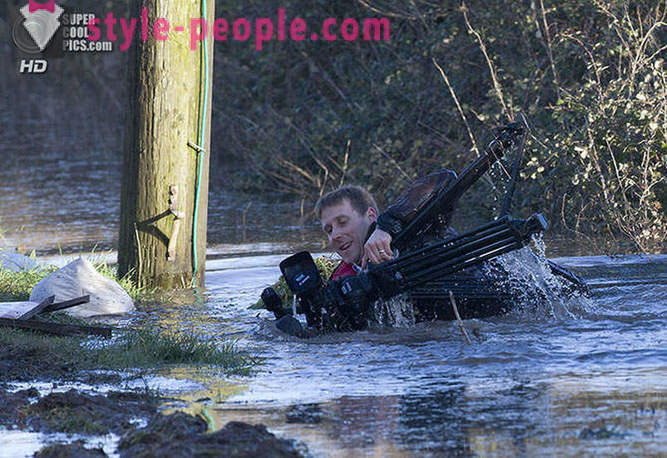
(519, 419)
(594, 380)
(64, 199)
(15, 443)
(531, 384)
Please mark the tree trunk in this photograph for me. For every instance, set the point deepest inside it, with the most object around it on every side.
(166, 90)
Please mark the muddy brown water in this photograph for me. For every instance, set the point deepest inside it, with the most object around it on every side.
(580, 377)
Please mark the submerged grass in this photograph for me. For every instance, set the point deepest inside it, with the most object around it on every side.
(29, 355)
(148, 348)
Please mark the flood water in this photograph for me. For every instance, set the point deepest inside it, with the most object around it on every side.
(581, 377)
(586, 377)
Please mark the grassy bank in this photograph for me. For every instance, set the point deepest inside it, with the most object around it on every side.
(28, 355)
(130, 352)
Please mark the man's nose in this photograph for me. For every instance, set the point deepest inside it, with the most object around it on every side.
(335, 234)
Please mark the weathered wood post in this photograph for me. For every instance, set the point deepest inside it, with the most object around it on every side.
(166, 149)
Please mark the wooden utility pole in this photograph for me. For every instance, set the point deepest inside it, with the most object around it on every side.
(162, 167)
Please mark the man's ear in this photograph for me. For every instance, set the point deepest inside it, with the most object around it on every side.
(372, 214)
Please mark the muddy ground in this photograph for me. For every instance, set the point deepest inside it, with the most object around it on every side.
(121, 413)
(178, 434)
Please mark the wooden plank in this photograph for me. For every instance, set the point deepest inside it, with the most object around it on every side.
(41, 306)
(16, 310)
(66, 304)
(56, 328)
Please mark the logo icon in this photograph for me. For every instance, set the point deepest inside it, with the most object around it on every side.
(40, 22)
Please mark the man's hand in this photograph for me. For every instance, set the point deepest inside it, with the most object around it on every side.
(377, 248)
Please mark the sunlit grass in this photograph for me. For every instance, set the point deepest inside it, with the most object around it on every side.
(137, 293)
(129, 349)
(148, 348)
(17, 286)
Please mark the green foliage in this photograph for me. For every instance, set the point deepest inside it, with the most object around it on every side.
(589, 75)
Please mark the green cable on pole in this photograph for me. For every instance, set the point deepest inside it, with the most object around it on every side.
(200, 153)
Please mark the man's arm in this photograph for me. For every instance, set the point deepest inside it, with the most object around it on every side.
(417, 196)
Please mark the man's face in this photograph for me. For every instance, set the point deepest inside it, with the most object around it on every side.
(347, 229)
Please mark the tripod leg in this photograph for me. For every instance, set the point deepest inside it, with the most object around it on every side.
(569, 276)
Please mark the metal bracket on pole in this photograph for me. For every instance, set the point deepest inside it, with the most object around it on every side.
(178, 217)
(196, 147)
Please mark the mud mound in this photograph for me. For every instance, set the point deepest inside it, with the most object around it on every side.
(176, 435)
(27, 363)
(182, 435)
(73, 450)
(75, 412)
(11, 403)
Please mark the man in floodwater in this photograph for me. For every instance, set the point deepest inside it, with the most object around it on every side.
(360, 235)
(349, 218)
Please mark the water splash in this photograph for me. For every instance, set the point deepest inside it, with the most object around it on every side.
(397, 312)
(538, 292)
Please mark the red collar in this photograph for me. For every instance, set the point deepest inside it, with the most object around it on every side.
(343, 270)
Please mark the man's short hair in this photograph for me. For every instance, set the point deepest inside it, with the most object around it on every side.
(360, 199)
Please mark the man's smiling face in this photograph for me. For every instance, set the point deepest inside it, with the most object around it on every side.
(346, 229)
